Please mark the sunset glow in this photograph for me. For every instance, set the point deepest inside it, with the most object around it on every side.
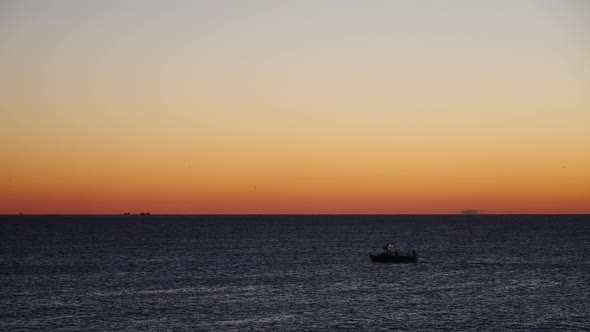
(294, 107)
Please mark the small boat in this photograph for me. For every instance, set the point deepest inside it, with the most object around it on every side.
(144, 213)
(390, 255)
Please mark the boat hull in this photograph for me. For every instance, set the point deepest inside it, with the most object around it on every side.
(393, 259)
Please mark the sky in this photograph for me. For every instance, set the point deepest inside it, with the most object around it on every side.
(294, 106)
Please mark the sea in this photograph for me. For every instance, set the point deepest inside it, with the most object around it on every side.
(294, 273)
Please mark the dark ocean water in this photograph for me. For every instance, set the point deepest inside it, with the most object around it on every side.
(293, 273)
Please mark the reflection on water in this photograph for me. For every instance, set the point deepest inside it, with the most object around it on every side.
(237, 273)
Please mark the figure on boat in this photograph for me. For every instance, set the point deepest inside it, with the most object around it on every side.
(389, 254)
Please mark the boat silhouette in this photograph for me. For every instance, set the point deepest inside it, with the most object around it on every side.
(389, 254)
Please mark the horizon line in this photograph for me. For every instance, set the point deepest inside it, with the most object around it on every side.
(286, 214)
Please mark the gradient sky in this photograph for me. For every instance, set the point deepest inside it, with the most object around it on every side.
(294, 106)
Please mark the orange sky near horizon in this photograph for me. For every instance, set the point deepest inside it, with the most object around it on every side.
(295, 107)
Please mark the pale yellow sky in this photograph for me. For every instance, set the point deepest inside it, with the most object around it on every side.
(407, 104)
